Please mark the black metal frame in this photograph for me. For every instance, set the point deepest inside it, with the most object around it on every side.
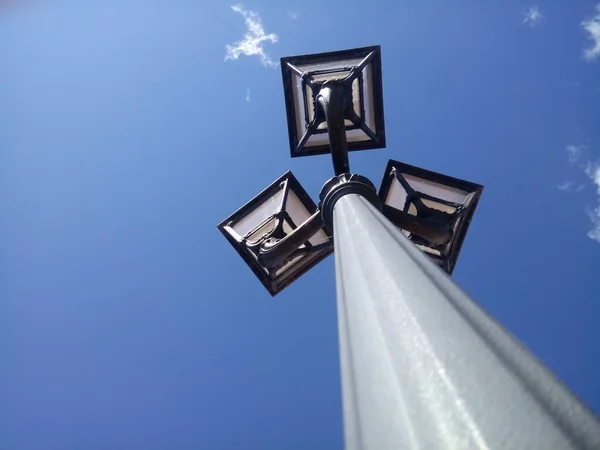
(377, 136)
(434, 223)
(265, 270)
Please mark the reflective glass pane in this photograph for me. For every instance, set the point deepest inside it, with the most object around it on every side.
(429, 250)
(319, 238)
(331, 75)
(261, 213)
(317, 139)
(439, 206)
(289, 264)
(469, 199)
(341, 64)
(435, 189)
(310, 104)
(412, 209)
(262, 231)
(396, 196)
(323, 138)
(296, 209)
(356, 97)
(368, 97)
(457, 224)
(298, 104)
(287, 228)
(356, 135)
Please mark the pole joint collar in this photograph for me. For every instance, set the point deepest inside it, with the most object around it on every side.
(341, 185)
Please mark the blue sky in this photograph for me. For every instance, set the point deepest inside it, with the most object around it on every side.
(126, 135)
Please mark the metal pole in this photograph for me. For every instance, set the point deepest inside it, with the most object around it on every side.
(423, 367)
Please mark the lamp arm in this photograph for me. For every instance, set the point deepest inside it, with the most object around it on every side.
(332, 100)
(274, 252)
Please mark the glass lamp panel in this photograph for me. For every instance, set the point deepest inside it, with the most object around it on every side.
(323, 125)
(356, 135)
(396, 196)
(308, 99)
(436, 189)
(469, 199)
(318, 238)
(356, 97)
(317, 139)
(457, 225)
(332, 65)
(299, 214)
(428, 250)
(439, 206)
(260, 214)
(296, 209)
(289, 264)
(412, 209)
(287, 228)
(330, 75)
(368, 97)
(299, 102)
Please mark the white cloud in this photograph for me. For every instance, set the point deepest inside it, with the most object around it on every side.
(254, 39)
(574, 152)
(593, 171)
(248, 99)
(533, 16)
(293, 14)
(592, 26)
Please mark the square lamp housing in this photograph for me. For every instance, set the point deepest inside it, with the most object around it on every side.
(430, 197)
(278, 210)
(361, 67)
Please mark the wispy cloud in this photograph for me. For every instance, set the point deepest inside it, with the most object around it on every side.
(566, 186)
(592, 26)
(254, 39)
(533, 16)
(574, 152)
(570, 186)
(593, 171)
(293, 14)
(248, 99)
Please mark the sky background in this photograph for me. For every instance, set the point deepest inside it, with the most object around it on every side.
(128, 130)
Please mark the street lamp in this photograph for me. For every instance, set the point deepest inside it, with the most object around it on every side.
(334, 103)
(279, 233)
(433, 210)
(422, 365)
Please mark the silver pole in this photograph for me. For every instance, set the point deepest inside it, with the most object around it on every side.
(423, 367)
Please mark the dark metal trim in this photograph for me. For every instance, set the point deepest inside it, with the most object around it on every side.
(332, 98)
(340, 185)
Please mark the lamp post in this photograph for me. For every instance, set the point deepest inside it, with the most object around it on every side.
(422, 365)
